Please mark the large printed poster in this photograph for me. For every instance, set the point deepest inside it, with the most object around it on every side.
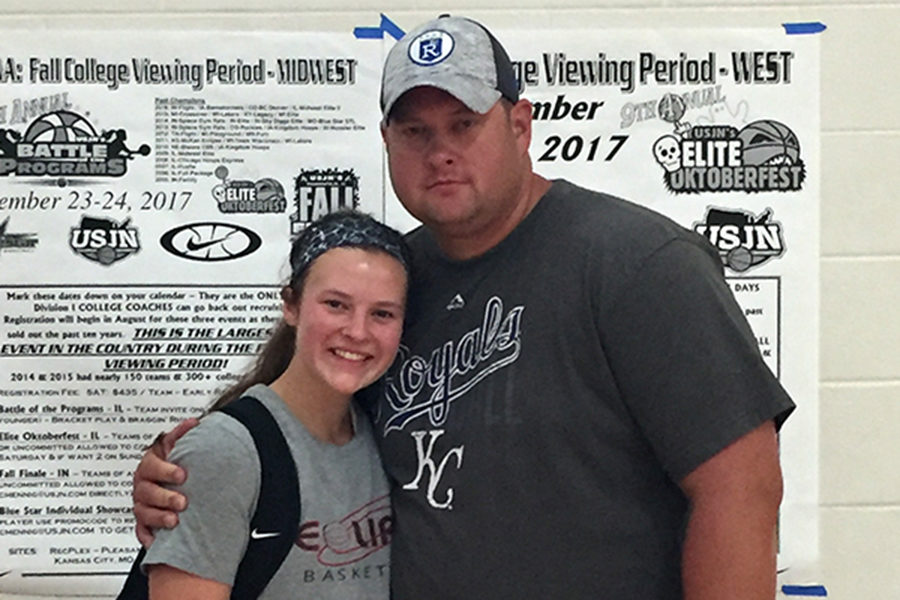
(150, 184)
(719, 130)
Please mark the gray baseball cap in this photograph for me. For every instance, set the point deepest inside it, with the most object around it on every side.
(454, 54)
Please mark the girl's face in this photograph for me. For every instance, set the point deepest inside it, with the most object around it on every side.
(348, 320)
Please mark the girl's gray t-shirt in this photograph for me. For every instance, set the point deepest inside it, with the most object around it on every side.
(342, 548)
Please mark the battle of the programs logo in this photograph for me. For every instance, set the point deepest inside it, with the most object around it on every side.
(64, 144)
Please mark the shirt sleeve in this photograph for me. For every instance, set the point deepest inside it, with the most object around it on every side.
(685, 360)
(222, 488)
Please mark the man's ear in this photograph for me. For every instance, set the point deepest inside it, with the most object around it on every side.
(520, 119)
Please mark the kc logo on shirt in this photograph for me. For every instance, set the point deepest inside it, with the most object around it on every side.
(417, 386)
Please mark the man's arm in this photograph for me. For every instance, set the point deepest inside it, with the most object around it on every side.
(156, 507)
(729, 550)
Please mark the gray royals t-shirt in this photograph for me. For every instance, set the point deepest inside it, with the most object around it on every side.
(550, 395)
(343, 545)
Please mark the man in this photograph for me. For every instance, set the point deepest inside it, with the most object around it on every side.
(579, 409)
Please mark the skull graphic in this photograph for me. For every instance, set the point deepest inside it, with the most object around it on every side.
(668, 152)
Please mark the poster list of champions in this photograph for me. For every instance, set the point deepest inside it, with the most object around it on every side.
(148, 196)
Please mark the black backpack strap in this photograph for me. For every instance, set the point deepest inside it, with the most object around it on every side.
(274, 526)
(136, 586)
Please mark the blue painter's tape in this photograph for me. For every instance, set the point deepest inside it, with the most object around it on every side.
(368, 33)
(804, 590)
(392, 28)
(803, 28)
(377, 33)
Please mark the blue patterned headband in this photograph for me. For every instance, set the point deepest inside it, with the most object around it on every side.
(344, 229)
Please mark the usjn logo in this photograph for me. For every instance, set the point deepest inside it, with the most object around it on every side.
(103, 240)
(743, 239)
(63, 143)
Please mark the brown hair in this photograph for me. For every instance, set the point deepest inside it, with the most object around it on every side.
(273, 358)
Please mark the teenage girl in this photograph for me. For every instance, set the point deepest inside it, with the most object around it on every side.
(343, 310)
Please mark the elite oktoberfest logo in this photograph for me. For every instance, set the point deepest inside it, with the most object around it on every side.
(264, 195)
(762, 156)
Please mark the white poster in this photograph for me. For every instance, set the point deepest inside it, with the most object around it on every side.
(719, 130)
(150, 184)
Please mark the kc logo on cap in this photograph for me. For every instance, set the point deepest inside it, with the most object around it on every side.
(431, 47)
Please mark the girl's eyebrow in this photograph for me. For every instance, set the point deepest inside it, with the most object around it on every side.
(344, 295)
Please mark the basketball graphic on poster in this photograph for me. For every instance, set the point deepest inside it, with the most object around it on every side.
(768, 142)
(740, 259)
(60, 126)
(671, 108)
(269, 189)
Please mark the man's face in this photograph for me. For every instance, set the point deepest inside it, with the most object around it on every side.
(458, 171)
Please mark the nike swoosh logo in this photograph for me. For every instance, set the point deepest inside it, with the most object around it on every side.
(194, 246)
(258, 535)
